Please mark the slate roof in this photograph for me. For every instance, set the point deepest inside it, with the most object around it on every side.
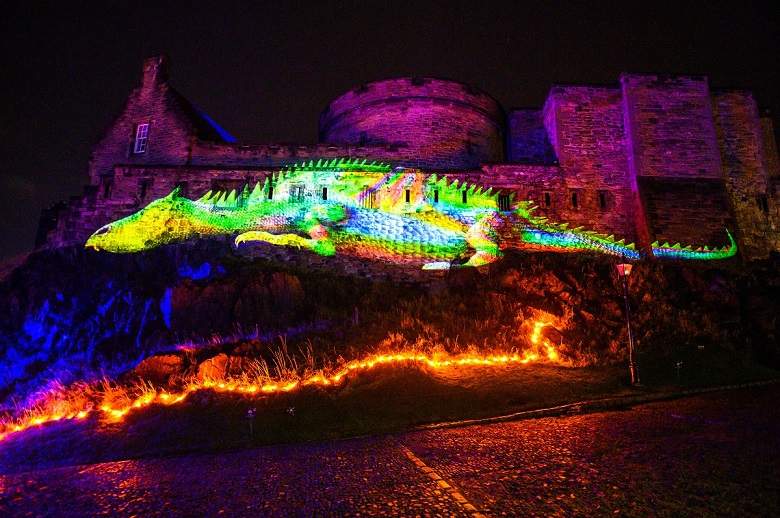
(205, 128)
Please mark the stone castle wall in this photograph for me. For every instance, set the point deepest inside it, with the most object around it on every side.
(439, 124)
(134, 187)
(671, 126)
(170, 133)
(650, 158)
(770, 147)
(271, 155)
(591, 150)
(674, 159)
(528, 142)
(746, 169)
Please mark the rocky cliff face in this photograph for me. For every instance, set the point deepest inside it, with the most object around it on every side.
(73, 314)
(70, 314)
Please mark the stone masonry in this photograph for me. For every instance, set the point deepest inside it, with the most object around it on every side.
(651, 158)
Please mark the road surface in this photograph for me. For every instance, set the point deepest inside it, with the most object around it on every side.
(713, 455)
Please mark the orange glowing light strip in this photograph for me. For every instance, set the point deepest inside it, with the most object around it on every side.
(166, 398)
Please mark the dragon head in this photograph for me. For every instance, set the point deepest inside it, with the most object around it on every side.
(163, 221)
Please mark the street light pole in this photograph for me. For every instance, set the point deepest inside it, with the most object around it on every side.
(624, 269)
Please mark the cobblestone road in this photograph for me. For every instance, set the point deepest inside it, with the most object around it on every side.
(713, 455)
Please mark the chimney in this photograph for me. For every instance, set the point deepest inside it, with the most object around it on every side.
(156, 70)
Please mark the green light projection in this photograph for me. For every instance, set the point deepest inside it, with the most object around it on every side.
(368, 210)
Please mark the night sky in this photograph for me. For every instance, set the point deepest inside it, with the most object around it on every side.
(265, 70)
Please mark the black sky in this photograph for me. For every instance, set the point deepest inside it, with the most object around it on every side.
(265, 70)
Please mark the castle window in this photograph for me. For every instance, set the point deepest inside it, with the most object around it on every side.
(465, 196)
(369, 201)
(503, 203)
(108, 186)
(603, 197)
(271, 191)
(144, 185)
(324, 194)
(436, 196)
(296, 192)
(141, 135)
(469, 148)
(546, 200)
(763, 203)
(575, 201)
(408, 195)
(363, 137)
(183, 188)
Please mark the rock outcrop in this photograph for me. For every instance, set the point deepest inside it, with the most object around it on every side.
(71, 314)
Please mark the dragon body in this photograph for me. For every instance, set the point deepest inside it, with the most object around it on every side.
(371, 211)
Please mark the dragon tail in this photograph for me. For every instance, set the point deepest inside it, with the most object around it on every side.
(703, 254)
(539, 233)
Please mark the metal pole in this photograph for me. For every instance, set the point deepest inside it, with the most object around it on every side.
(631, 346)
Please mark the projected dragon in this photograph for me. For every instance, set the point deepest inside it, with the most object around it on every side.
(370, 211)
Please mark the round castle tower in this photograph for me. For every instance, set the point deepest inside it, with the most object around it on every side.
(433, 123)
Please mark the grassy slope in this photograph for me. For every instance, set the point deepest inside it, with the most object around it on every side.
(690, 314)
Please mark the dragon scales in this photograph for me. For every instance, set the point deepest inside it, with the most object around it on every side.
(370, 211)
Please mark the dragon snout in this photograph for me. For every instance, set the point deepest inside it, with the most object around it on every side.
(96, 238)
(102, 230)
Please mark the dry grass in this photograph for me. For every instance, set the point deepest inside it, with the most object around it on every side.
(385, 397)
(283, 371)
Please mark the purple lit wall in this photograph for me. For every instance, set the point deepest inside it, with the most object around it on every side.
(438, 124)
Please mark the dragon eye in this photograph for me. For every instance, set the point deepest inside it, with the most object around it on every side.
(103, 230)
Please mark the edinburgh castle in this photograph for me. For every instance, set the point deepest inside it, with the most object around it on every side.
(650, 158)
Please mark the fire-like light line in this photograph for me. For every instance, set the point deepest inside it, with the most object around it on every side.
(118, 412)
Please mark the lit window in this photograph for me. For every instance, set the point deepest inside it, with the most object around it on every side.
(369, 201)
(297, 193)
(141, 134)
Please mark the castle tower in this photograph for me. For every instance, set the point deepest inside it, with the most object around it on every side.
(674, 161)
(439, 124)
